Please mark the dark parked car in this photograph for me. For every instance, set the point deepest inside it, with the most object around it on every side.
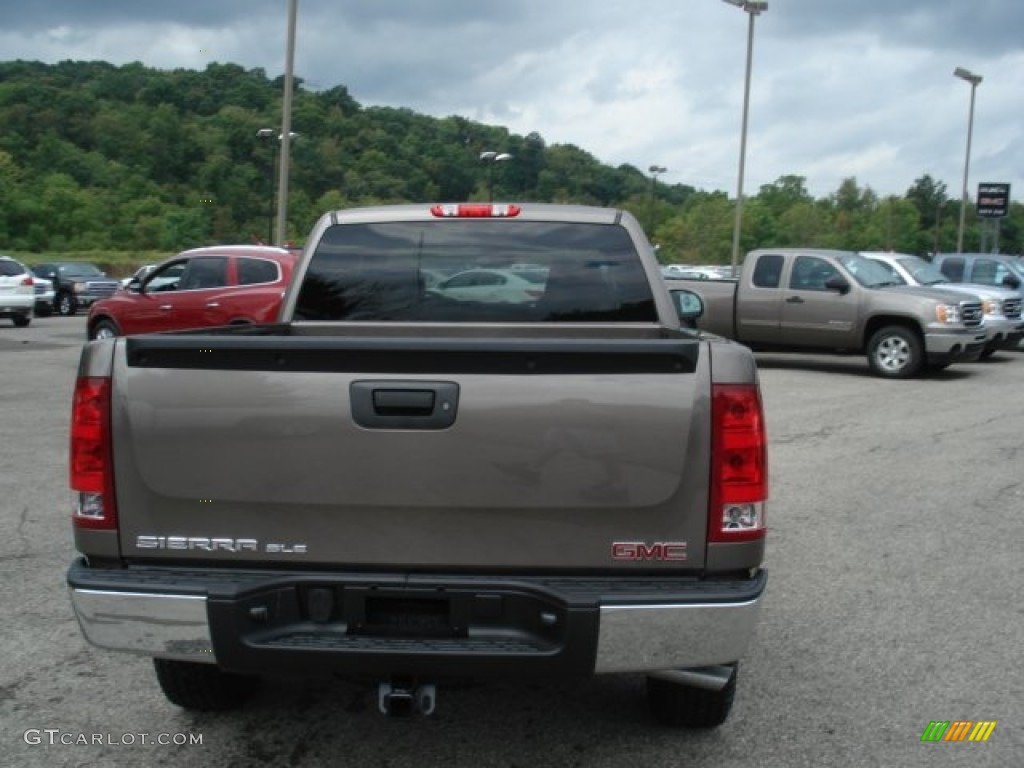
(200, 288)
(76, 284)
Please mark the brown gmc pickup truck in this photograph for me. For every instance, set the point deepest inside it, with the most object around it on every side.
(478, 443)
(807, 300)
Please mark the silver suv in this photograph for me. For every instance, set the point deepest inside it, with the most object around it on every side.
(17, 293)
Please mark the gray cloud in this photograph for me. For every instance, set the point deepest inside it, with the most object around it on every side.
(957, 26)
(35, 16)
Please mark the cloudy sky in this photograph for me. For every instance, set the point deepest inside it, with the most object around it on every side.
(840, 88)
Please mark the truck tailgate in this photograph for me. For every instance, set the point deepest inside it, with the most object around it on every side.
(462, 453)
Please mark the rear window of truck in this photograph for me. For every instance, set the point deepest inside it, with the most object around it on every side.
(476, 271)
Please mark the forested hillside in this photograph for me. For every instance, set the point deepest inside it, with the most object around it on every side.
(96, 156)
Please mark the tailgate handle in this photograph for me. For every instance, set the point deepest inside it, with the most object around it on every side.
(403, 402)
(395, 404)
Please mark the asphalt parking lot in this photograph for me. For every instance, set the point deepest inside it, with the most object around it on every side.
(896, 559)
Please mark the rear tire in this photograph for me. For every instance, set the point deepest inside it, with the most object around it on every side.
(21, 320)
(895, 352)
(687, 706)
(203, 687)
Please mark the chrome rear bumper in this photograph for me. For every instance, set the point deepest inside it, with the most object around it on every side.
(700, 625)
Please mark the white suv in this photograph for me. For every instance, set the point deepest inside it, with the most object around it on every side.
(17, 292)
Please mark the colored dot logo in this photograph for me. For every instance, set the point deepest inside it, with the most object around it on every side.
(206, 501)
(206, 350)
(205, 199)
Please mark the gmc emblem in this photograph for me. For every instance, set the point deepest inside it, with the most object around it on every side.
(639, 550)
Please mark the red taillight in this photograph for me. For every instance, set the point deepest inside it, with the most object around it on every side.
(739, 464)
(28, 280)
(92, 471)
(475, 211)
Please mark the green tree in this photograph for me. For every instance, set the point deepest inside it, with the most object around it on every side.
(185, 228)
(783, 194)
(929, 198)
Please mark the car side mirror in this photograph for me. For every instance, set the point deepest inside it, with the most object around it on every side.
(1011, 281)
(837, 283)
(689, 307)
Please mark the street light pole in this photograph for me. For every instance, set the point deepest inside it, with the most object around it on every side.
(973, 79)
(270, 133)
(753, 8)
(654, 171)
(492, 158)
(286, 127)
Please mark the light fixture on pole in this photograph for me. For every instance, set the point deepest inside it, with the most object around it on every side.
(492, 158)
(654, 170)
(753, 8)
(973, 79)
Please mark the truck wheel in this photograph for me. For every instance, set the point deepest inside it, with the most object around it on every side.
(894, 352)
(65, 304)
(688, 706)
(203, 687)
(22, 320)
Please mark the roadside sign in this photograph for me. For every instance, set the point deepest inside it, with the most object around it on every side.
(993, 200)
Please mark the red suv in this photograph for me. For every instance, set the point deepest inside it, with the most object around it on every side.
(200, 288)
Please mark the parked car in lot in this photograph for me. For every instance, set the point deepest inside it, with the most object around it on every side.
(674, 271)
(199, 288)
(984, 268)
(44, 295)
(76, 284)
(17, 292)
(138, 274)
(1004, 327)
(494, 285)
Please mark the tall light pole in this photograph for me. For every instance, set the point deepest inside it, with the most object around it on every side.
(286, 127)
(973, 79)
(753, 8)
(654, 171)
(492, 159)
(270, 133)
